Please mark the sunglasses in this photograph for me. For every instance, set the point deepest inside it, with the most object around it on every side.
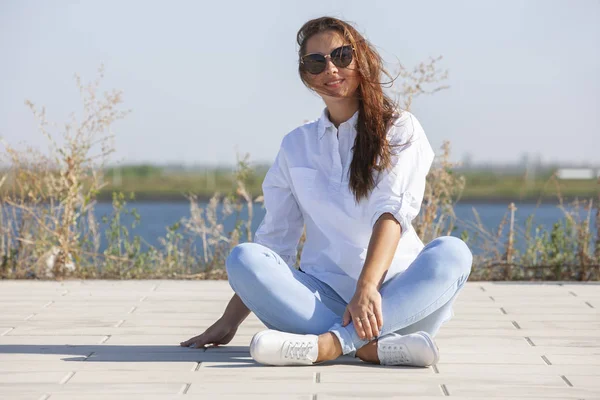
(315, 63)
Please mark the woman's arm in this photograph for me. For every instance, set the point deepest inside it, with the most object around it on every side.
(396, 199)
(224, 329)
(280, 229)
(382, 247)
(235, 312)
(282, 226)
(393, 204)
(365, 307)
(400, 189)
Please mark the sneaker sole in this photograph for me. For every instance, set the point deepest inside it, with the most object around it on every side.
(436, 350)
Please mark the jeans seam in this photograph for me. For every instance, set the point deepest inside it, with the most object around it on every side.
(333, 299)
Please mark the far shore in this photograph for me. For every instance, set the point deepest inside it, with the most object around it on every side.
(181, 198)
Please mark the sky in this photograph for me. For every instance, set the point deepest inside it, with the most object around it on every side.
(206, 80)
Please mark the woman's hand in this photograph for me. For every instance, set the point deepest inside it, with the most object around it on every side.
(365, 311)
(221, 332)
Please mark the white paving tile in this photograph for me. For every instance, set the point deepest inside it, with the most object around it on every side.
(88, 340)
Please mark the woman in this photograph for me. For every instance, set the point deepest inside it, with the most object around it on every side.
(367, 286)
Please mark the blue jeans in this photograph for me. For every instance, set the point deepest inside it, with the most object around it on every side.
(289, 300)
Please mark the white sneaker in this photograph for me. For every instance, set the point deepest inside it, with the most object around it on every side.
(273, 347)
(416, 349)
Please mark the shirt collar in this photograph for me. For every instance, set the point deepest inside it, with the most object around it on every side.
(325, 123)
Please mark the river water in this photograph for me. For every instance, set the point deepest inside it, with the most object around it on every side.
(155, 217)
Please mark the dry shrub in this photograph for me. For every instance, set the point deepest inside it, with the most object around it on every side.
(47, 222)
(48, 197)
(423, 79)
(206, 224)
(568, 250)
(442, 192)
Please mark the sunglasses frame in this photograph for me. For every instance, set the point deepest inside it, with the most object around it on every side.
(325, 56)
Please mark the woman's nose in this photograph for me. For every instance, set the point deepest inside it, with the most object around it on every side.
(330, 66)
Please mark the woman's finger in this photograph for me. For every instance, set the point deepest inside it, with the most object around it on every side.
(346, 318)
(374, 325)
(189, 341)
(379, 316)
(359, 327)
(366, 327)
(197, 341)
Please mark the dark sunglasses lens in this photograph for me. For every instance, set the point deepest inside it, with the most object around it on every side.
(314, 63)
(342, 56)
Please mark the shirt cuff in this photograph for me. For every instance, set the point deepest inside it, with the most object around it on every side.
(401, 209)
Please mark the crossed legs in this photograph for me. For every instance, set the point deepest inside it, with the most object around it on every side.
(285, 299)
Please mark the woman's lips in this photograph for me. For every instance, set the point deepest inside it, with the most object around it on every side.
(335, 83)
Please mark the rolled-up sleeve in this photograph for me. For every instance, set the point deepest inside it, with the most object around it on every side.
(282, 225)
(400, 189)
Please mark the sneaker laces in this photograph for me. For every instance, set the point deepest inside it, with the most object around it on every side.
(396, 353)
(298, 350)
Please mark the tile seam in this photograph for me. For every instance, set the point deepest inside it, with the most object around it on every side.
(48, 304)
(185, 388)
(528, 340)
(444, 390)
(546, 360)
(566, 380)
(7, 331)
(105, 339)
(67, 378)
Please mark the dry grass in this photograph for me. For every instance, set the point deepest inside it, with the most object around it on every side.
(48, 229)
(51, 196)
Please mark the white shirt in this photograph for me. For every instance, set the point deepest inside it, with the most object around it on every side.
(308, 184)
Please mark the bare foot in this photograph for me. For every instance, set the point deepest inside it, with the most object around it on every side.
(329, 347)
(368, 353)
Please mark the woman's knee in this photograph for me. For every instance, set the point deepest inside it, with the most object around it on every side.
(455, 249)
(242, 258)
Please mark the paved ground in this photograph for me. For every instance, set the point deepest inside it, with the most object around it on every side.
(100, 339)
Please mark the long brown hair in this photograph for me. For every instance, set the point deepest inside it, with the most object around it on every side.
(376, 110)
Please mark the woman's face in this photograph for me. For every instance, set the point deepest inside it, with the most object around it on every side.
(339, 82)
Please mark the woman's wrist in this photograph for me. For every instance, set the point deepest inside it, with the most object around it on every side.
(363, 284)
(235, 312)
(230, 321)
